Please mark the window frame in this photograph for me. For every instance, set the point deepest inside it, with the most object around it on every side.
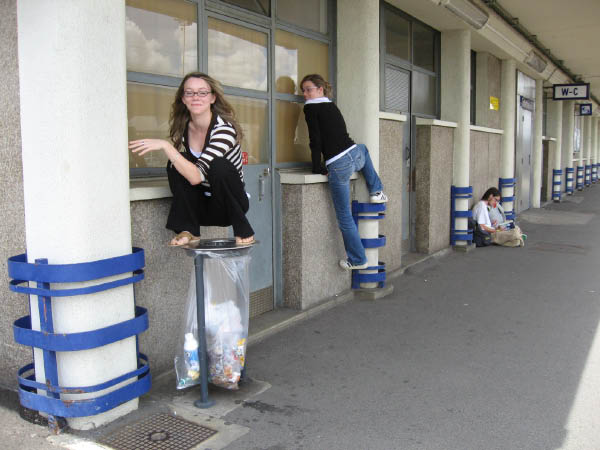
(237, 15)
(394, 61)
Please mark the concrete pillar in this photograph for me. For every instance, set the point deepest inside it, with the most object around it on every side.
(554, 119)
(537, 143)
(358, 89)
(455, 107)
(76, 172)
(509, 112)
(568, 129)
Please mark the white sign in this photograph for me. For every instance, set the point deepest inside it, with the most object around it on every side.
(571, 91)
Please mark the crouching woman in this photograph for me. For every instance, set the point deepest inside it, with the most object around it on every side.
(205, 162)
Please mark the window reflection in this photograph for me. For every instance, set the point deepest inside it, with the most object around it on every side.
(252, 115)
(148, 108)
(423, 51)
(292, 133)
(296, 56)
(161, 36)
(237, 56)
(311, 14)
(397, 39)
(259, 6)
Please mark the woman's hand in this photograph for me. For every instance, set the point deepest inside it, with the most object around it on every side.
(143, 146)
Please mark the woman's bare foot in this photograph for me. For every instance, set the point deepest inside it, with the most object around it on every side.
(183, 238)
(248, 240)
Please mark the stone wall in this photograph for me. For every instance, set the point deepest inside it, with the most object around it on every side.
(484, 162)
(312, 246)
(390, 172)
(12, 219)
(435, 152)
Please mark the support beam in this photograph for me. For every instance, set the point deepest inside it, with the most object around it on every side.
(537, 144)
(76, 172)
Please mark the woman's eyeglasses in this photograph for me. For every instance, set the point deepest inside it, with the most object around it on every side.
(201, 94)
(308, 89)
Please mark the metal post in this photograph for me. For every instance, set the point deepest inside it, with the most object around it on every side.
(204, 401)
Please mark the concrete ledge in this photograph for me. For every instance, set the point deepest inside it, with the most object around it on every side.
(548, 138)
(436, 122)
(486, 130)
(392, 116)
(373, 293)
(149, 188)
(464, 248)
(304, 176)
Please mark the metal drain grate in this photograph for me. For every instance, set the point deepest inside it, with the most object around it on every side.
(161, 431)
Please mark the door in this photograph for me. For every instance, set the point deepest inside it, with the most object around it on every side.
(233, 43)
(523, 149)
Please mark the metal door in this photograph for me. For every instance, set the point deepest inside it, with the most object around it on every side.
(397, 99)
(523, 150)
(249, 93)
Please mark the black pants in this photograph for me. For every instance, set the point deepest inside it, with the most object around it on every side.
(226, 206)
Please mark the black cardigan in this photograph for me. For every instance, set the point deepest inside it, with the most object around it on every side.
(327, 132)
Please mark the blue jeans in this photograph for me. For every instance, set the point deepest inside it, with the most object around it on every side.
(340, 171)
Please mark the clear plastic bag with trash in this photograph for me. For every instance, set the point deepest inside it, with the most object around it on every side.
(226, 302)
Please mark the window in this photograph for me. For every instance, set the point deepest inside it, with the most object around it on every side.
(409, 64)
(165, 42)
(577, 131)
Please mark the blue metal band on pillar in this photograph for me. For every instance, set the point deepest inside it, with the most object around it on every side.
(457, 193)
(369, 211)
(556, 184)
(588, 174)
(506, 183)
(50, 342)
(580, 176)
(569, 180)
(594, 173)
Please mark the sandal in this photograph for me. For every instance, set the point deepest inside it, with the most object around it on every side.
(250, 242)
(191, 239)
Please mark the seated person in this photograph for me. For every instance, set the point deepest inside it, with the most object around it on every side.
(499, 234)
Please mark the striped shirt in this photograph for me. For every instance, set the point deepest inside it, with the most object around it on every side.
(221, 142)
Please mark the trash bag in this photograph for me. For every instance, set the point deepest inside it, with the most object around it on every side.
(226, 302)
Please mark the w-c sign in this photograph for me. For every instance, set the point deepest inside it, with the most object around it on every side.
(571, 91)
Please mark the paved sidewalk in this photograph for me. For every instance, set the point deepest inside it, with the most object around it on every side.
(493, 349)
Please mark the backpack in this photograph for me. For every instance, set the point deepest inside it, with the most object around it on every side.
(481, 238)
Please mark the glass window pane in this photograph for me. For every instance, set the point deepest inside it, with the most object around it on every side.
(253, 117)
(161, 36)
(259, 6)
(292, 133)
(577, 132)
(397, 39)
(148, 109)
(423, 94)
(311, 14)
(237, 56)
(423, 47)
(295, 57)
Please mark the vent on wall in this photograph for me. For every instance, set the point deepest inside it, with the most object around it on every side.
(536, 62)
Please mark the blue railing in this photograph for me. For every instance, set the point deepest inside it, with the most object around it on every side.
(43, 274)
(505, 183)
(369, 211)
(569, 180)
(556, 193)
(460, 193)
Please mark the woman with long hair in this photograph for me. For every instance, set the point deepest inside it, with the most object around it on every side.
(499, 233)
(329, 138)
(205, 162)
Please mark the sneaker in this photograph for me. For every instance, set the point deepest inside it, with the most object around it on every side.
(379, 197)
(347, 265)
